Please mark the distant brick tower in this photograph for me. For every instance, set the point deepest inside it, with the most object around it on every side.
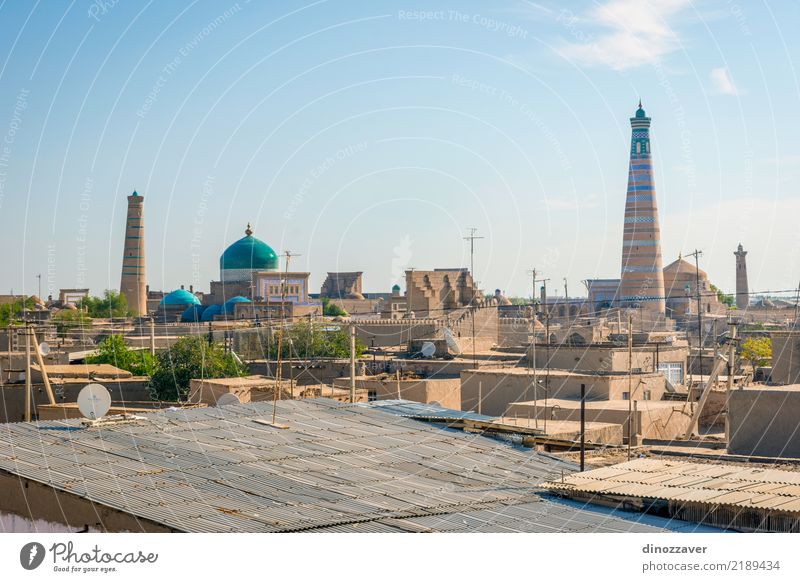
(642, 280)
(742, 290)
(133, 281)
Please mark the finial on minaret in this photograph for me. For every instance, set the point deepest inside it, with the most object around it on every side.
(640, 102)
(248, 231)
(680, 255)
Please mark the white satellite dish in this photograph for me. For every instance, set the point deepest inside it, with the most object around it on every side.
(44, 348)
(227, 399)
(452, 343)
(94, 401)
(428, 349)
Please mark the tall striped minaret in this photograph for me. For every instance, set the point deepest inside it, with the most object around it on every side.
(133, 281)
(642, 283)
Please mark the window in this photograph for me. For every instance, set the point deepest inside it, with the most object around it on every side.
(673, 371)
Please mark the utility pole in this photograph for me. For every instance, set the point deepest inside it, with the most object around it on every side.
(696, 254)
(27, 372)
(352, 334)
(630, 382)
(534, 280)
(566, 294)
(532, 353)
(279, 368)
(472, 238)
(547, 333)
(732, 341)
(583, 426)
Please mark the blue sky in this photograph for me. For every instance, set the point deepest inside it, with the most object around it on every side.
(371, 136)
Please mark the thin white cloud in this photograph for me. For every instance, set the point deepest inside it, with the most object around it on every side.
(722, 81)
(633, 33)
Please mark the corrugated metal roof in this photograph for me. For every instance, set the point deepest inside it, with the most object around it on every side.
(412, 409)
(338, 467)
(744, 487)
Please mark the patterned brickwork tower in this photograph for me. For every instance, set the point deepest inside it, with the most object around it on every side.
(742, 290)
(133, 282)
(642, 284)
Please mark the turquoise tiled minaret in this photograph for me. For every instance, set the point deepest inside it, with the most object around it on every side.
(642, 284)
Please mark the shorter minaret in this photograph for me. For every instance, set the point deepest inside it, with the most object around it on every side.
(742, 290)
(133, 281)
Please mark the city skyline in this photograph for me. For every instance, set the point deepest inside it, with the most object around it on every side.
(373, 141)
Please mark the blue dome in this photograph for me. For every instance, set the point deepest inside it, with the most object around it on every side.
(228, 308)
(210, 311)
(640, 112)
(180, 297)
(192, 313)
(249, 253)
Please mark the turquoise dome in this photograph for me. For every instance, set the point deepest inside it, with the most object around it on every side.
(640, 112)
(249, 253)
(228, 307)
(180, 297)
(210, 311)
(192, 313)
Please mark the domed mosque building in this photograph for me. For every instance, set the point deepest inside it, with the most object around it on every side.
(251, 284)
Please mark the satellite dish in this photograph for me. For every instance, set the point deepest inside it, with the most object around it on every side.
(227, 399)
(44, 348)
(428, 349)
(94, 401)
(452, 343)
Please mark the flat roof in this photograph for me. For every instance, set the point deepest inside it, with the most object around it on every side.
(603, 404)
(338, 467)
(714, 484)
(765, 388)
(541, 373)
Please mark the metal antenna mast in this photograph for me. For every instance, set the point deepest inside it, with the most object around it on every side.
(472, 238)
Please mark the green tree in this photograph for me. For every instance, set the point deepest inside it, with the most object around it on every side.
(723, 297)
(314, 341)
(111, 304)
(10, 312)
(757, 350)
(113, 350)
(190, 357)
(67, 320)
(331, 309)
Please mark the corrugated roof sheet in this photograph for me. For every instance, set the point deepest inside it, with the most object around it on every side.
(412, 409)
(744, 487)
(337, 468)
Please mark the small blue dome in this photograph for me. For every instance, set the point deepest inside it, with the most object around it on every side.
(180, 297)
(229, 306)
(640, 112)
(192, 313)
(210, 311)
